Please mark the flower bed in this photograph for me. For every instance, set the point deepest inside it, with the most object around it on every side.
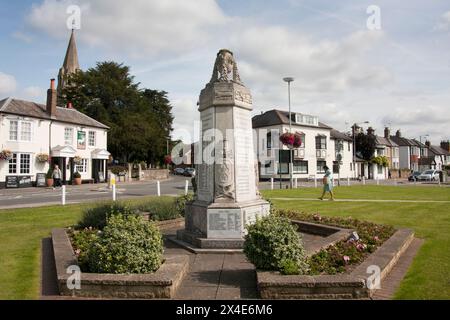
(344, 255)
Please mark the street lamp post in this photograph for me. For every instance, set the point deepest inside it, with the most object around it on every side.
(291, 156)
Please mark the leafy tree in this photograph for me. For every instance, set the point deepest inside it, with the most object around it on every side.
(140, 121)
(365, 145)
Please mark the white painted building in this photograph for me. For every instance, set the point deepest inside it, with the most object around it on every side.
(319, 147)
(28, 129)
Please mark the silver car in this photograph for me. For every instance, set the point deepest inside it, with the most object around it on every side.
(428, 175)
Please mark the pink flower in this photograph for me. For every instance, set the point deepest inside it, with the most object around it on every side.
(361, 246)
(376, 238)
(317, 217)
(77, 252)
(346, 259)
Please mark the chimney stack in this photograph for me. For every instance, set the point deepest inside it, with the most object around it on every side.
(387, 133)
(398, 134)
(51, 99)
(428, 143)
(445, 145)
(370, 131)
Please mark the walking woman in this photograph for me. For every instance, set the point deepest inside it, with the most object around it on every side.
(56, 175)
(327, 183)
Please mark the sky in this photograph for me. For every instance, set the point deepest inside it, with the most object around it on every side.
(350, 64)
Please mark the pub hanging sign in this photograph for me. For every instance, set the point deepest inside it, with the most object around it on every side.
(81, 140)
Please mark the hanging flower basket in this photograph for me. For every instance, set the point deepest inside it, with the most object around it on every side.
(42, 157)
(292, 140)
(6, 155)
(168, 159)
(77, 160)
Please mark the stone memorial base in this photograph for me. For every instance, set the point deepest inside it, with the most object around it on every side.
(220, 225)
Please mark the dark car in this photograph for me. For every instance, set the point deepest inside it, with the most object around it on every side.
(179, 171)
(414, 176)
(189, 172)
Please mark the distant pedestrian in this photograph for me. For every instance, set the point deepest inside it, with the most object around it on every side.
(56, 175)
(327, 183)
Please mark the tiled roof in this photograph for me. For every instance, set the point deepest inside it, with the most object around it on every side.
(403, 141)
(437, 150)
(385, 141)
(277, 117)
(339, 135)
(36, 110)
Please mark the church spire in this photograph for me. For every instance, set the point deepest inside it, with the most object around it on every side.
(70, 65)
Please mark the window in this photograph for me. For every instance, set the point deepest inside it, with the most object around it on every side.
(13, 130)
(351, 166)
(91, 139)
(380, 169)
(320, 165)
(25, 160)
(20, 164)
(68, 136)
(269, 140)
(335, 167)
(13, 164)
(348, 144)
(25, 131)
(300, 166)
(22, 127)
(321, 142)
(82, 167)
(283, 168)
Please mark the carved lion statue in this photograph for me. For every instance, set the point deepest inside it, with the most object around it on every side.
(225, 68)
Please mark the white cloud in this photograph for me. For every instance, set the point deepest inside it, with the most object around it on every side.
(139, 27)
(7, 84)
(444, 23)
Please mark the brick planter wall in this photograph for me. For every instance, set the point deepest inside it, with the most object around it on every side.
(273, 285)
(161, 284)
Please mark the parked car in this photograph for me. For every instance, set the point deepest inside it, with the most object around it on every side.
(429, 175)
(189, 172)
(414, 176)
(179, 171)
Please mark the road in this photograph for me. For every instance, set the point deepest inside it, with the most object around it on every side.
(34, 197)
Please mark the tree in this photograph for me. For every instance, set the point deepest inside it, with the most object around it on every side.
(365, 145)
(140, 121)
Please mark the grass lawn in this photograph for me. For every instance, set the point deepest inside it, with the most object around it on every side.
(428, 277)
(21, 232)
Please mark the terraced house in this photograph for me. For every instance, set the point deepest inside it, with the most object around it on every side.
(321, 145)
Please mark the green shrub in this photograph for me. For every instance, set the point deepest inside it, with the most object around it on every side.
(82, 241)
(127, 245)
(97, 216)
(272, 243)
(160, 209)
(289, 267)
(181, 201)
(77, 175)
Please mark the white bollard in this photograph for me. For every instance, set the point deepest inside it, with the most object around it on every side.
(364, 181)
(271, 183)
(378, 181)
(114, 192)
(186, 188)
(63, 189)
(315, 181)
(348, 181)
(158, 188)
(296, 183)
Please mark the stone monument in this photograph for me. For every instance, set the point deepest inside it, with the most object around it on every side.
(227, 197)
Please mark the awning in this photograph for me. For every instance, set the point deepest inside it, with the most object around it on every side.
(63, 152)
(101, 154)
